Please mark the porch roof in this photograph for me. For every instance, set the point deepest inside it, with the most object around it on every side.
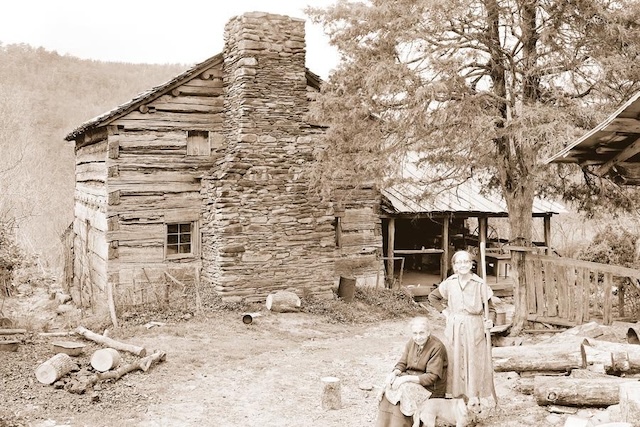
(612, 147)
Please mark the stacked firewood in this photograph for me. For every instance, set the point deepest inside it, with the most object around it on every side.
(590, 365)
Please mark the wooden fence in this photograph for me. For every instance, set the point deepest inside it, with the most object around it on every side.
(569, 292)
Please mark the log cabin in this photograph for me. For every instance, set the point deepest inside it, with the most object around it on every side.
(202, 180)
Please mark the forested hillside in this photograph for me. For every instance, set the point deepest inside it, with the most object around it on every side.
(44, 96)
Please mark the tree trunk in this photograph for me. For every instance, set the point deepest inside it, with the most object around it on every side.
(568, 391)
(108, 342)
(56, 367)
(542, 358)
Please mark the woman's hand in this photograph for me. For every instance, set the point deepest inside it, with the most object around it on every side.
(391, 378)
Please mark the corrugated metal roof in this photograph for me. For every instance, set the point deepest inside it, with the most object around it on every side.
(418, 195)
(409, 199)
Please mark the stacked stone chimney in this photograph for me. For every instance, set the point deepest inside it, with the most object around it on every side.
(263, 230)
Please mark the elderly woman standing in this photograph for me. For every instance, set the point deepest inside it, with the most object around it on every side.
(461, 298)
(422, 369)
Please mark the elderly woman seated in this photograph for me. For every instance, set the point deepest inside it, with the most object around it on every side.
(420, 373)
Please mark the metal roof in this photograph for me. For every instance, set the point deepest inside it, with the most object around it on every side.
(418, 194)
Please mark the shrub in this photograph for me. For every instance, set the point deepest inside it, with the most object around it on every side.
(368, 305)
(11, 258)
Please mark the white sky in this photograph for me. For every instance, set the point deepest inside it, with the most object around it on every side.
(147, 31)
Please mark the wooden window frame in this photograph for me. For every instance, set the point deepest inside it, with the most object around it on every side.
(205, 143)
(194, 243)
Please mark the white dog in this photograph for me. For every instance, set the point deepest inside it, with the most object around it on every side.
(450, 411)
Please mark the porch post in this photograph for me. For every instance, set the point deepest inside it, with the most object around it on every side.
(547, 233)
(391, 241)
(444, 261)
(483, 224)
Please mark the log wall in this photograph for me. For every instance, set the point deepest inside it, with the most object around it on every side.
(90, 222)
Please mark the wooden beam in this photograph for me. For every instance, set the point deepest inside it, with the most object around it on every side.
(391, 237)
(624, 125)
(631, 150)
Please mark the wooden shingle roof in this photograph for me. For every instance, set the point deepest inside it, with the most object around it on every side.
(104, 119)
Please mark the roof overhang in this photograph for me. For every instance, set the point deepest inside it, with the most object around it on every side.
(611, 148)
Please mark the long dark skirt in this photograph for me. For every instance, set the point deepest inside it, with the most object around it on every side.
(389, 415)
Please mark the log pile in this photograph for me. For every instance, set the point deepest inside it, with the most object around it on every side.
(585, 366)
(107, 364)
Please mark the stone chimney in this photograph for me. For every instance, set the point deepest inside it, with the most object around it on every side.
(263, 230)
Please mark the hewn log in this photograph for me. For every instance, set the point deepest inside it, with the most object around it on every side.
(630, 402)
(54, 368)
(283, 301)
(597, 392)
(551, 357)
(629, 364)
(108, 342)
(331, 393)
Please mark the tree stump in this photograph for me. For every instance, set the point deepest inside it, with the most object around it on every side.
(105, 359)
(283, 301)
(55, 368)
(630, 402)
(331, 393)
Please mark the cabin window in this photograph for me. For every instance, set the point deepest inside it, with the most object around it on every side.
(181, 240)
(198, 143)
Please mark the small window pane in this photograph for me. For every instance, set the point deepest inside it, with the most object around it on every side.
(179, 238)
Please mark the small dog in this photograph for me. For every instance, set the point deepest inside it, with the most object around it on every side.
(450, 411)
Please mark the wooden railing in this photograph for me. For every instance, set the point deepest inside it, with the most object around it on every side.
(569, 292)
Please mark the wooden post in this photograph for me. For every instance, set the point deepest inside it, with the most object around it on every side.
(391, 237)
(547, 234)
(630, 402)
(483, 224)
(607, 303)
(519, 291)
(444, 261)
(331, 394)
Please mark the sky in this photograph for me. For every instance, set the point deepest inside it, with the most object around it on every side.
(148, 31)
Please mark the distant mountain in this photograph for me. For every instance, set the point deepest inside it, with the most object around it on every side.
(43, 97)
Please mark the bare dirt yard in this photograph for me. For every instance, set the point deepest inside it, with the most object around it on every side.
(221, 372)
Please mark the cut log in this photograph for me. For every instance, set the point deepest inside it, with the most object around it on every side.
(331, 393)
(597, 359)
(557, 357)
(567, 391)
(630, 402)
(56, 367)
(12, 331)
(143, 364)
(283, 301)
(626, 356)
(108, 342)
(105, 359)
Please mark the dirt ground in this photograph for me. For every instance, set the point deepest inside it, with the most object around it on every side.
(221, 372)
